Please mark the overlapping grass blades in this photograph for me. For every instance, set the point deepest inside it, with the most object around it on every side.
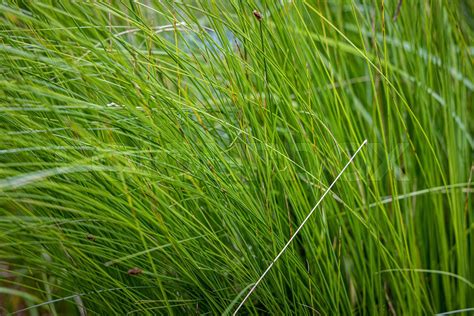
(189, 139)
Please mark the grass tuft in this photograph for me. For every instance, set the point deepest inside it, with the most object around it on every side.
(156, 156)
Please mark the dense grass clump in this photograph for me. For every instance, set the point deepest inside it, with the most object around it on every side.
(155, 157)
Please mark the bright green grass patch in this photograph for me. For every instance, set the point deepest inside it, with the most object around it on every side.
(155, 156)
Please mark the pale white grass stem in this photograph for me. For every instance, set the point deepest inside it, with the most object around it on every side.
(299, 228)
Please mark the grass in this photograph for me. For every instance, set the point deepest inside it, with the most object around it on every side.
(156, 156)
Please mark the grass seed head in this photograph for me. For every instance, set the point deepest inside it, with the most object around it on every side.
(134, 271)
(257, 15)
